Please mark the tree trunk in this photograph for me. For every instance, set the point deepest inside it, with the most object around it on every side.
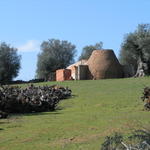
(142, 68)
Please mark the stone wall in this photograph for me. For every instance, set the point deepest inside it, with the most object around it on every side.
(63, 74)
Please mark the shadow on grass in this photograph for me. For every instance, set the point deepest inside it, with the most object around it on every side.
(18, 115)
(2, 123)
(73, 96)
(1, 129)
(55, 112)
(70, 98)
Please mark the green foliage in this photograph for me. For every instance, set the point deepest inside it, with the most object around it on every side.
(55, 55)
(136, 45)
(139, 140)
(87, 50)
(141, 136)
(113, 142)
(9, 63)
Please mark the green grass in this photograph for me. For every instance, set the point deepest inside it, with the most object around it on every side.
(98, 108)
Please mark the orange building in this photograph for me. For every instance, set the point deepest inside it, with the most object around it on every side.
(77, 71)
(63, 74)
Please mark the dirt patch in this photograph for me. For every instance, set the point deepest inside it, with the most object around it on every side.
(83, 139)
(27, 140)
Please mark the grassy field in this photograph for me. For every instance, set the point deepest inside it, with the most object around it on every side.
(97, 109)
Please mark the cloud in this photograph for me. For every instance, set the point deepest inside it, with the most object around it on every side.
(29, 46)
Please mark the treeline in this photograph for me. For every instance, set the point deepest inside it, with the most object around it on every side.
(22, 81)
(56, 54)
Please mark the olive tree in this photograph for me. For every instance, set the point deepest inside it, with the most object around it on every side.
(55, 54)
(9, 63)
(135, 50)
(87, 50)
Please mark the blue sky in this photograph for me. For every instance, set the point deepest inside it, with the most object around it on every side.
(26, 23)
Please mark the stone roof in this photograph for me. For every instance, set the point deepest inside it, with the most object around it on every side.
(81, 62)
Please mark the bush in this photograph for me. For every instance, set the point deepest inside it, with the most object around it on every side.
(138, 140)
(146, 98)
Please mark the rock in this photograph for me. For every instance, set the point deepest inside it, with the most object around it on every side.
(31, 99)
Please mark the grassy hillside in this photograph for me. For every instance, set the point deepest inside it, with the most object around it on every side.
(97, 109)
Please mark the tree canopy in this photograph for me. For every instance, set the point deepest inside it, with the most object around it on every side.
(87, 50)
(55, 54)
(9, 63)
(135, 48)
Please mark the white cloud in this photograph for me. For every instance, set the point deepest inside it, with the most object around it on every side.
(29, 46)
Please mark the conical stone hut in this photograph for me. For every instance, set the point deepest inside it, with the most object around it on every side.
(103, 64)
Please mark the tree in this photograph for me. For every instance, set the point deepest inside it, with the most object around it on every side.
(55, 55)
(87, 50)
(135, 50)
(9, 63)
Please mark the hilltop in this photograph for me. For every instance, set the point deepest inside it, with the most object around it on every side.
(98, 108)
